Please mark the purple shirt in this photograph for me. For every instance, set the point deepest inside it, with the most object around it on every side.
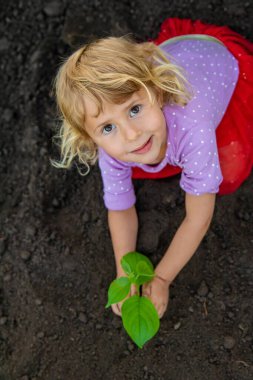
(213, 72)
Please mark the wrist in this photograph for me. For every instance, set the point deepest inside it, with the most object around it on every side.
(166, 275)
(162, 279)
(120, 273)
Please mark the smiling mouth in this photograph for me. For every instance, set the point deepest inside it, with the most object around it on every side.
(144, 148)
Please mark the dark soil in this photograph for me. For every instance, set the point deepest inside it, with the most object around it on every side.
(55, 252)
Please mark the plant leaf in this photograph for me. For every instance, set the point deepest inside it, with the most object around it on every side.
(144, 273)
(140, 319)
(143, 269)
(126, 267)
(118, 290)
(138, 273)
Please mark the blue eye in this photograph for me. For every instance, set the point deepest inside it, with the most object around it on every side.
(135, 110)
(108, 128)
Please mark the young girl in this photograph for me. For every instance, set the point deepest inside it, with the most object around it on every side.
(149, 111)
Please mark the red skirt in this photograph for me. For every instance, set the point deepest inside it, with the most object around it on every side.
(235, 131)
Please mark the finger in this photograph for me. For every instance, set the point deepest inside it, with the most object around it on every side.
(159, 312)
(146, 291)
(156, 307)
(162, 310)
(133, 290)
(116, 309)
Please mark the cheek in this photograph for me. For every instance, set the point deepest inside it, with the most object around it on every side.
(162, 119)
(111, 146)
(157, 122)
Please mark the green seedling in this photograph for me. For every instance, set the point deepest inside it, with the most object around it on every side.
(139, 315)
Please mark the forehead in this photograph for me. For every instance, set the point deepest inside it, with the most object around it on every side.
(93, 110)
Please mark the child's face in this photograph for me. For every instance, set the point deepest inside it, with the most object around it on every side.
(134, 131)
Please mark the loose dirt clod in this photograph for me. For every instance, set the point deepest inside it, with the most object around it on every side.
(229, 342)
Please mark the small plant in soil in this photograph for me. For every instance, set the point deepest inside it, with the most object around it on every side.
(139, 315)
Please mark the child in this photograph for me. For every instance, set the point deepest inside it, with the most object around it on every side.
(151, 112)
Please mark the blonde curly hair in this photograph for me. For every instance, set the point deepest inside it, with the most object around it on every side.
(111, 68)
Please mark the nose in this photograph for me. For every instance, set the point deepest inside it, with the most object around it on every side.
(130, 132)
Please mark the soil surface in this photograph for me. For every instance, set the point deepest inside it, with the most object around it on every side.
(55, 252)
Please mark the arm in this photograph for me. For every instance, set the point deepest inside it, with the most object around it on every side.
(199, 212)
(123, 227)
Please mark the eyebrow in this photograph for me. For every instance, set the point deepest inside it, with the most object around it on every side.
(127, 106)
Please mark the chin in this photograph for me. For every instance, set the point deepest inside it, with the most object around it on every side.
(154, 160)
(149, 158)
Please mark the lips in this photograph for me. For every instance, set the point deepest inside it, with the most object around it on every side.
(144, 148)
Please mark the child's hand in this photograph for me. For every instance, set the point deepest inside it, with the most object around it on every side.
(158, 292)
(116, 307)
